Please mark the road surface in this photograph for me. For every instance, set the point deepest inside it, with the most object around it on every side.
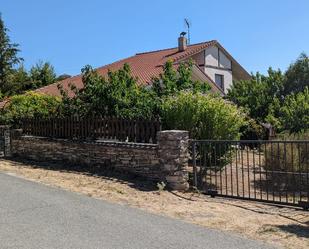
(34, 216)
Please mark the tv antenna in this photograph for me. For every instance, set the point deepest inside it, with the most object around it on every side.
(188, 26)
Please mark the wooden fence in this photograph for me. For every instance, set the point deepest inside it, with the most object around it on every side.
(140, 131)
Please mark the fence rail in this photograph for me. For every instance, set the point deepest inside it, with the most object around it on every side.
(268, 171)
(140, 131)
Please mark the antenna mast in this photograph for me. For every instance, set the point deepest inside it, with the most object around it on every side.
(188, 25)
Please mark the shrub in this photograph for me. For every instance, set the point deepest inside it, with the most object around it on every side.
(29, 105)
(252, 130)
(204, 116)
(289, 157)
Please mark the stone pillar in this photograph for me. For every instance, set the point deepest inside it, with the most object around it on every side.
(173, 154)
(7, 142)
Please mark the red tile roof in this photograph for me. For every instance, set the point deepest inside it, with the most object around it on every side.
(144, 66)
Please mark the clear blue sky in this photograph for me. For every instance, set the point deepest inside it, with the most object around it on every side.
(73, 33)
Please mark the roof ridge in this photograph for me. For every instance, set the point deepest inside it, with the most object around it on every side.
(197, 50)
(159, 50)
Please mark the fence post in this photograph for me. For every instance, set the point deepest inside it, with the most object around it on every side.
(174, 154)
(7, 142)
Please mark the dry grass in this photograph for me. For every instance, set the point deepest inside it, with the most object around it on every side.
(280, 226)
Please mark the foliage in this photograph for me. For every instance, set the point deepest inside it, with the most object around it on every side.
(278, 99)
(29, 105)
(204, 116)
(172, 81)
(117, 95)
(256, 95)
(8, 58)
(252, 130)
(42, 74)
(295, 112)
(297, 76)
(289, 157)
(120, 95)
(19, 81)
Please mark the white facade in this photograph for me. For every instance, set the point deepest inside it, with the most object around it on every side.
(217, 63)
(214, 61)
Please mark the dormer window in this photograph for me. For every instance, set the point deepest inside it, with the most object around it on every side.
(219, 79)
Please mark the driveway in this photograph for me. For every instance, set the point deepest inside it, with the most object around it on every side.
(37, 216)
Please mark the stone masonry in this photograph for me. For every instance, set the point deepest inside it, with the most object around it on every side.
(174, 154)
(166, 161)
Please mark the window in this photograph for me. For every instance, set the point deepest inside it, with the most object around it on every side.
(219, 79)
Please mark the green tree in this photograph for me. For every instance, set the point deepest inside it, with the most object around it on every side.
(42, 74)
(119, 94)
(8, 58)
(20, 81)
(297, 76)
(174, 80)
(256, 95)
(116, 95)
(295, 112)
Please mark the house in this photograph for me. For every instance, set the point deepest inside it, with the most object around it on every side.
(212, 64)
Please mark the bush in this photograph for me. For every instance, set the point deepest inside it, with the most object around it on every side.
(204, 116)
(253, 131)
(29, 105)
(289, 157)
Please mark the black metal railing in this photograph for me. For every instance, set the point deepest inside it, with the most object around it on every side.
(268, 171)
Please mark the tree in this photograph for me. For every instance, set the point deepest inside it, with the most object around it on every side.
(20, 81)
(257, 95)
(42, 74)
(8, 58)
(117, 95)
(297, 76)
(295, 112)
(172, 81)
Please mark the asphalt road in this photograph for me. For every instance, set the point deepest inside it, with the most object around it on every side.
(36, 216)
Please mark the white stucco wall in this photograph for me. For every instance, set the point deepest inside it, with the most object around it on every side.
(228, 77)
(224, 62)
(211, 56)
(216, 62)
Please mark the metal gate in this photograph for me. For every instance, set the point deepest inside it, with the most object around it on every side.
(267, 171)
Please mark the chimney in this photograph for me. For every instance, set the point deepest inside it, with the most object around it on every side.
(182, 43)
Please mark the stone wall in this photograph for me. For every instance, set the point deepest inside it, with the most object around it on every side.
(174, 154)
(141, 159)
(166, 161)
